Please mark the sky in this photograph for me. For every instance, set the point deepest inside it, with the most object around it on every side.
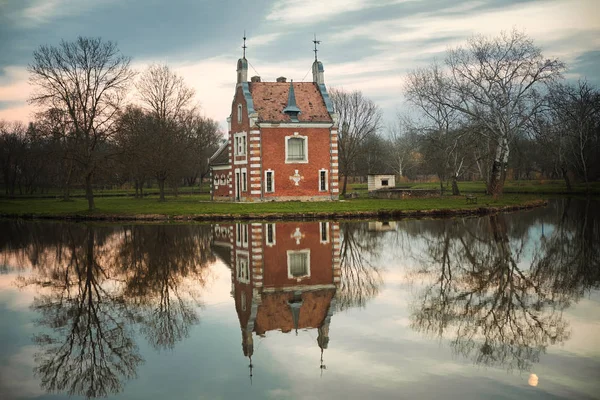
(366, 45)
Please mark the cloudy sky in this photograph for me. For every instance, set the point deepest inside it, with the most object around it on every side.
(366, 44)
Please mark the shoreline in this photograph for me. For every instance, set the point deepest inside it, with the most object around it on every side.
(281, 216)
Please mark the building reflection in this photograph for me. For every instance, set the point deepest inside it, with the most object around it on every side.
(284, 277)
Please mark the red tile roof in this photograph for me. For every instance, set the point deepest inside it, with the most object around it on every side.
(274, 313)
(270, 98)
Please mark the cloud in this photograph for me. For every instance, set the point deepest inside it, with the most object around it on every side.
(44, 11)
(313, 11)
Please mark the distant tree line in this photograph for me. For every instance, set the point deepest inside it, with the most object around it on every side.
(92, 129)
(493, 108)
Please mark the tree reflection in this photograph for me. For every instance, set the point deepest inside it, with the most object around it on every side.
(98, 286)
(499, 299)
(90, 349)
(361, 277)
(166, 267)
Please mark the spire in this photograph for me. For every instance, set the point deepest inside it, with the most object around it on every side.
(317, 67)
(242, 64)
(292, 109)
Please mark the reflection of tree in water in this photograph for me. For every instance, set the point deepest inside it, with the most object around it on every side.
(500, 311)
(166, 268)
(91, 348)
(360, 277)
(98, 285)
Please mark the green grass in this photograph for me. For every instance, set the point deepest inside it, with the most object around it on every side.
(530, 186)
(119, 192)
(194, 205)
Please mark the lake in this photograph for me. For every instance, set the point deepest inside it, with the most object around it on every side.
(504, 306)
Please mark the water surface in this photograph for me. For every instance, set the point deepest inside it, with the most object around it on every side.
(504, 306)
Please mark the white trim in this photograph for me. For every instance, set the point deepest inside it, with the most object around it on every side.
(240, 147)
(305, 251)
(255, 138)
(294, 124)
(255, 192)
(267, 242)
(272, 181)
(220, 167)
(326, 180)
(254, 165)
(239, 113)
(296, 136)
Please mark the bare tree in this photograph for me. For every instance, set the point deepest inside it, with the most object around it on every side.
(359, 119)
(403, 147)
(576, 110)
(169, 99)
(87, 79)
(497, 84)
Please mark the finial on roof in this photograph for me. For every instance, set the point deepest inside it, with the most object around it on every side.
(244, 46)
(316, 42)
(292, 109)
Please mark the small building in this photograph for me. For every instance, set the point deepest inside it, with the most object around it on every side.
(284, 276)
(282, 142)
(381, 181)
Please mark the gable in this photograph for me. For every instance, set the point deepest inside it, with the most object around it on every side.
(270, 98)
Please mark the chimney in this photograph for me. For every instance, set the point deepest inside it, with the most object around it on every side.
(255, 78)
(282, 79)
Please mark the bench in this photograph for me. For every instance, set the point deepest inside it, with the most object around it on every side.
(471, 198)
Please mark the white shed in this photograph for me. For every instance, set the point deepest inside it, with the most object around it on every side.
(381, 181)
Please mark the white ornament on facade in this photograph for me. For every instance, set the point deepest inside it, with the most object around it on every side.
(297, 235)
(296, 178)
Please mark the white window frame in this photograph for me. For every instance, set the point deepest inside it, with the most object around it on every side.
(268, 242)
(242, 277)
(297, 136)
(305, 251)
(244, 178)
(239, 113)
(240, 147)
(270, 171)
(326, 180)
(323, 225)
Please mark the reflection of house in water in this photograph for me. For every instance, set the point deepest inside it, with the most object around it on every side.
(284, 276)
(382, 226)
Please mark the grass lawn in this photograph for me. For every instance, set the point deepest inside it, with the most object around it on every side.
(534, 187)
(194, 205)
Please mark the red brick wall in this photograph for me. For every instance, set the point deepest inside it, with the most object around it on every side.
(275, 258)
(273, 148)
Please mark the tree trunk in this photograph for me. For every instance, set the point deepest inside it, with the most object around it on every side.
(136, 183)
(455, 190)
(89, 194)
(67, 184)
(161, 188)
(565, 175)
(497, 175)
(344, 186)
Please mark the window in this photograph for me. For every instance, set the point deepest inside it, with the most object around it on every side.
(298, 264)
(296, 149)
(243, 301)
(243, 268)
(240, 144)
(244, 179)
(239, 113)
(270, 234)
(216, 180)
(323, 184)
(384, 182)
(269, 181)
(223, 180)
(324, 232)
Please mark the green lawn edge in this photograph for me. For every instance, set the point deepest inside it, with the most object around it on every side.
(196, 208)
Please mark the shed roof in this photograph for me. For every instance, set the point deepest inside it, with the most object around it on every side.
(221, 156)
(271, 98)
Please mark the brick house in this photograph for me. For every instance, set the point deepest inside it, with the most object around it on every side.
(282, 142)
(284, 276)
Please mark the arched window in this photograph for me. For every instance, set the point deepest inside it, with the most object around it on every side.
(239, 113)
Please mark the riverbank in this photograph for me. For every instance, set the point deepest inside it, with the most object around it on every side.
(193, 208)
